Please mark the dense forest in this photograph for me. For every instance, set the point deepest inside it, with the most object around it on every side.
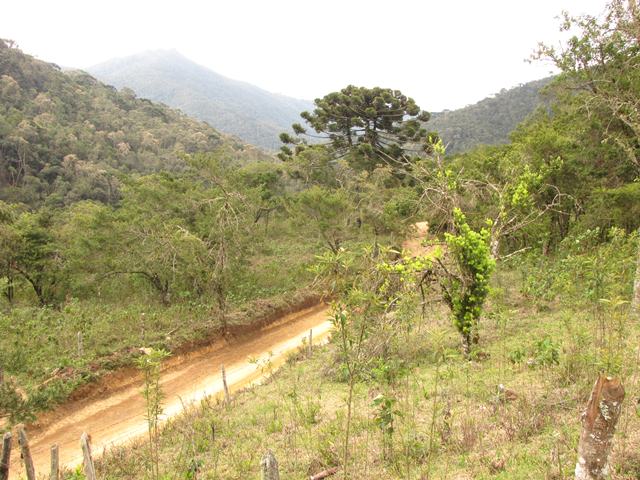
(66, 137)
(490, 121)
(472, 358)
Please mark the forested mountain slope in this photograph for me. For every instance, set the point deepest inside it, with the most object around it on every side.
(64, 135)
(238, 108)
(490, 121)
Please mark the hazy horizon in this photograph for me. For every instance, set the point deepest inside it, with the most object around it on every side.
(295, 50)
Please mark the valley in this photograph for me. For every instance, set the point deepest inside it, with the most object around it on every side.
(470, 278)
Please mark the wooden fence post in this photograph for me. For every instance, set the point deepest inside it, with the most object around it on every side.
(269, 467)
(5, 460)
(227, 397)
(55, 463)
(80, 345)
(89, 469)
(26, 453)
(598, 427)
(310, 342)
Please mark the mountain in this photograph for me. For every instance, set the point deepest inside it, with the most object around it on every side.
(489, 121)
(238, 108)
(64, 136)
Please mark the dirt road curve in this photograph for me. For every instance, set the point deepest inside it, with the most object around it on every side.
(119, 415)
(414, 244)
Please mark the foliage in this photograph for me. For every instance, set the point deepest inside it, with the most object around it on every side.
(13, 406)
(372, 126)
(466, 288)
(385, 417)
(584, 270)
(328, 212)
(601, 62)
(490, 121)
(65, 137)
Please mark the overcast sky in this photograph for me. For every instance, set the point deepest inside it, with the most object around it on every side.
(445, 54)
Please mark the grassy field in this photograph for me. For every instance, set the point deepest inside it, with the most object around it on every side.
(512, 412)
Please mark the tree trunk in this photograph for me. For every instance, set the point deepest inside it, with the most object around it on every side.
(466, 344)
(9, 289)
(494, 247)
(598, 427)
(635, 300)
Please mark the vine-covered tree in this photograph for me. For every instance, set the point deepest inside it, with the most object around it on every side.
(466, 286)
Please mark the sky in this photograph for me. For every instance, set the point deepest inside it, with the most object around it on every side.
(445, 54)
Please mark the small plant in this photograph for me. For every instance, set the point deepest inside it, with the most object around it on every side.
(384, 419)
(517, 355)
(150, 364)
(77, 474)
(546, 352)
(263, 365)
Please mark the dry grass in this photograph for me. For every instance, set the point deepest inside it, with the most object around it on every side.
(526, 429)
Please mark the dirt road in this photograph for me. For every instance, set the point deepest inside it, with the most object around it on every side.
(119, 415)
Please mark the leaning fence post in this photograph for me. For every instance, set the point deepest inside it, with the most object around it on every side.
(26, 453)
(598, 427)
(6, 456)
(55, 463)
(227, 397)
(89, 469)
(80, 345)
(269, 467)
(310, 342)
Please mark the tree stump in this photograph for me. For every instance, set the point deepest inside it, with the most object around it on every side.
(269, 467)
(598, 427)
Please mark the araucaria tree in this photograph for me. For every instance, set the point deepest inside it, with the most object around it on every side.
(465, 282)
(371, 126)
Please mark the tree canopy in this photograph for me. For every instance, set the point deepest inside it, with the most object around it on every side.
(371, 126)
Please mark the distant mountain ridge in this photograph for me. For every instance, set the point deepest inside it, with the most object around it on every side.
(231, 106)
(490, 121)
(258, 116)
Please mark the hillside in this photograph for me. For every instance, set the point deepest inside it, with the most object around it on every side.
(64, 136)
(241, 109)
(490, 121)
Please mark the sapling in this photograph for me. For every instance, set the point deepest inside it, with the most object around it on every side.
(384, 419)
(150, 364)
(465, 286)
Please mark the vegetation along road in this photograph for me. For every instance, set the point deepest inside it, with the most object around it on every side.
(119, 415)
